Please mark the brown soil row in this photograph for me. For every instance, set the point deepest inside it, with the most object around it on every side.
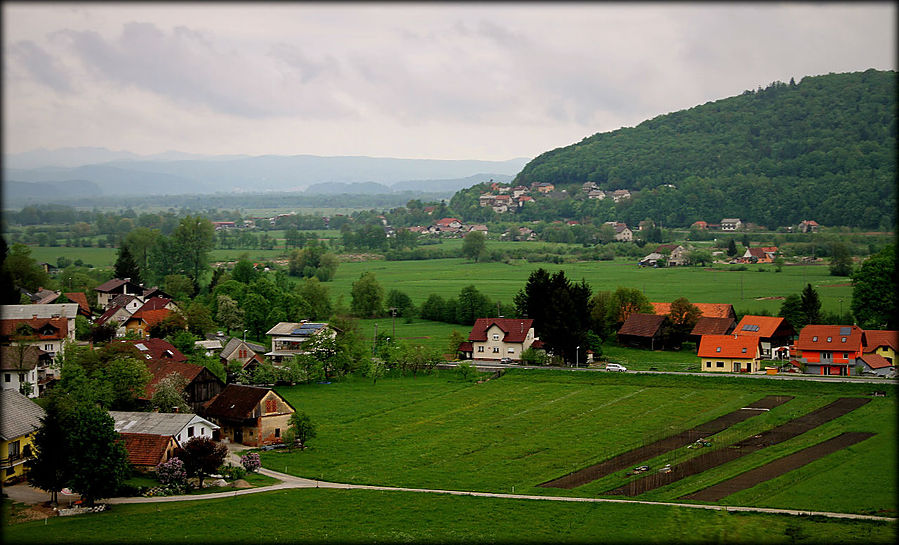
(639, 454)
(777, 467)
(781, 433)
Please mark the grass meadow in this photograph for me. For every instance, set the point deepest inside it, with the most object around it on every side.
(365, 516)
(528, 427)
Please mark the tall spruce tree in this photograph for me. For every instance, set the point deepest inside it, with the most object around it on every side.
(126, 266)
(811, 305)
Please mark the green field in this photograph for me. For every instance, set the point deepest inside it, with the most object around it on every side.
(363, 516)
(528, 427)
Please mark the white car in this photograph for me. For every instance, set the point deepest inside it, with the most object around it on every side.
(615, 367)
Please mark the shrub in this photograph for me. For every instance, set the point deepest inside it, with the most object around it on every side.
(467, 371)
(232, 473)
(250, 462)
(171, 472)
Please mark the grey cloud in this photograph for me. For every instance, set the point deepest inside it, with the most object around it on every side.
(44, 67)
(306, 68)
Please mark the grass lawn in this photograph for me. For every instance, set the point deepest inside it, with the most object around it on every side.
(425, 332)
(636, 359)
(363, 516)
(528, 427)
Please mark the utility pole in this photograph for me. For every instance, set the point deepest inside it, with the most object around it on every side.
(393, 313)
(374, 340)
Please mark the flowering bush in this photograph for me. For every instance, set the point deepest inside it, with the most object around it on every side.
(171, 472)
(251, 462)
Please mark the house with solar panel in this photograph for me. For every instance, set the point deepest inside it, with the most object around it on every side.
(289, 338)
(775, 334)
(830, 349)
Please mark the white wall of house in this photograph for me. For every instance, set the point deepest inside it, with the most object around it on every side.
(495, 348)
(13, 378)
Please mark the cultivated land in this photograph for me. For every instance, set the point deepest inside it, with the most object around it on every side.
(529, 427)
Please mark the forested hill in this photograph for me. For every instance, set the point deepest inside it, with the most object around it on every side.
(822, 149)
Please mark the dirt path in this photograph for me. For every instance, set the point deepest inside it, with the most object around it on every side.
(777, 467)
(776, 435)
(646, 452)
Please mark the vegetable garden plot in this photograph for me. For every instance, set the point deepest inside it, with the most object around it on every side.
(779, 434)
(646, 452)
(777, 467)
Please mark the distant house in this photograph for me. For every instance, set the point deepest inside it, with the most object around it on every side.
(156, 349)
(246, 354)
(642, 331)
(45, 297)
(543, 187)
(130, 303)
(729, 353)
(452, 223)
(773, 332)
(731, 224)
(478, 227)
(497, 338)
(597, 194)
(117, 316)
(250, 415)
(675, 254)
(45, 326)
(620, 194)
(19, 420)
(622, 233)
(808, 226)
(653, 259)
(830, 349)
(875, 364)
(757, 255)
(181, 426)
(701, 225)
(141, 321)
(289, 338)
(117, 286)
(884, 343)
(80, 298)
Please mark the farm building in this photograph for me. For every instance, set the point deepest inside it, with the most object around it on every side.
(642, 331)
(250, 415)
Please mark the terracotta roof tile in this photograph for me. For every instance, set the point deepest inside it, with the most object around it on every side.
(641, 325)
(708, 325)
(161, 369)
(875, 361)
(875, 338)
(515, 329)
(711, 310)
(146, 449)
(236, 401)
(763, 326)
(728, 346)
(815, 337)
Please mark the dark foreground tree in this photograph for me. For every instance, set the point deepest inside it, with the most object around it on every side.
(49, 469)
(560, 310)
(126, 266)
(874, 291)
(97, 458)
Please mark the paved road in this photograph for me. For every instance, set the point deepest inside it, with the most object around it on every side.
(483, 365)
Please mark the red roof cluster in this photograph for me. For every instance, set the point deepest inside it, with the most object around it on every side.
(515, 329)
(837, 338)
(875, 338)
(711, 310)
(728, 346)
(146, 449)
(60, 325)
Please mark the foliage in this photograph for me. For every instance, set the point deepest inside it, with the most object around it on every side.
(400, 301)
(474, 245)
(244, 271)
(23, 271)
(791, 309)
(303, 426)
(680, 321)
(201, 456)
(560, 310)
(199, 318)
(467, 372)
(192, 240)
(171, 472)
(313, 261)
(374, 369)
(112, 377)
(49, 469)
(169, 396)
(874, 299)
(627, 301)
(250, 462)
(367, 296)
(455, 340)
(840, 260)
(229, 314)
(315, 296)
(126, 267)
(811, 305)
(97, 459)
(471, 305)
(289, 438)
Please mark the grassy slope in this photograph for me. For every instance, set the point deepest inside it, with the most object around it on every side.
(361, 516)
(529, 427)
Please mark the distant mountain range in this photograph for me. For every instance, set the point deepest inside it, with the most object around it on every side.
(51, 176)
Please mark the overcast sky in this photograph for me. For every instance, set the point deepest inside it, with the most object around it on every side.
(442, 81)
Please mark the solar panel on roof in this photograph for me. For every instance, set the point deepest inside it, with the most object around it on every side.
(750, 327)
(845, 330)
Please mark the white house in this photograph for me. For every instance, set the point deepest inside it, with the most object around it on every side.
(181, 426)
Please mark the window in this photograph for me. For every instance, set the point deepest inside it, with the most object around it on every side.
(480, 349)
(48, 347)
(815, 339)
(719, 364)
(21, 377)
(190, 431)
(495, 337)
(829, 339)
(496, 350)
(13, 450)
(718, 349)
(845, 355)
(744, 350)
(842, 339)
(708, 364)
(202, 431)
(277, 432)
(511, 351)
(7, 377)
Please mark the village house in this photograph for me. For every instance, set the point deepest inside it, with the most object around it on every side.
(181, 426)
(80, 299)
(622, 233)
(19, 420)
(775, 334)
(288, 338)
(143, 320)
(711, 325)
(642, 331)
(830, 349)
(45, 326)
(201, 385)
(731, 224)
(116, 315)
(108, 290)
(808, 226)
(620, 194)
(499, 338)
(543, 187)
(675, 254)
(597, 194)
(245, 354)
(884, 343)
(26, 369)
(147, 450)
(729, 353)
(250, 415)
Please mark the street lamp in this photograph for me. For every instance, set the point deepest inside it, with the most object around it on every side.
(245, 335)
(576, 349)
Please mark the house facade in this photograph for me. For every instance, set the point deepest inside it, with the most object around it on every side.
(19, 420)
(108, 290)
(773, 332)
(731, 224)
(181, 426)
(830, 349)
(244, 353)
(289, 338)
(147, 450)
(729, 354)
(884, 343)
(25, 369)
(250, 415)
(498, 338)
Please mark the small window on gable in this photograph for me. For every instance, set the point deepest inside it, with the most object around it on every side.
(815, 339)
(495, 336)
(744, 350)
(842, 339)
(829, 339)
(718, 349)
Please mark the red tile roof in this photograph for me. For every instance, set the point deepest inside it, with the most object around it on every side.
(157, 349)
(875, 338)
(146, 449)
(815, 337)
(641, 325)
(708, 325)
(728, 346)
(875, 361)
(59, 325)
(155, 303)
(447, 221)
(466, 347)
(515, 329)
(236, 402)
(711, 310)
(108, 314)
(150, 317)
(760, 326)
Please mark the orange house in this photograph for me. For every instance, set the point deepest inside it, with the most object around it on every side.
(830, 349)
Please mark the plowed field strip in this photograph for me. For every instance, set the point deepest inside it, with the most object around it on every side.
(781, 433)
(777, 467)
(672, 442)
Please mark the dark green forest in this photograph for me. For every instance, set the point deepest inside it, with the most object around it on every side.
(822, 149)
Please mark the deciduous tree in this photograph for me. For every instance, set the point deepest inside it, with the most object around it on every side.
(874, 291)
(367, 296)
(202, 456)
(98, 461)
